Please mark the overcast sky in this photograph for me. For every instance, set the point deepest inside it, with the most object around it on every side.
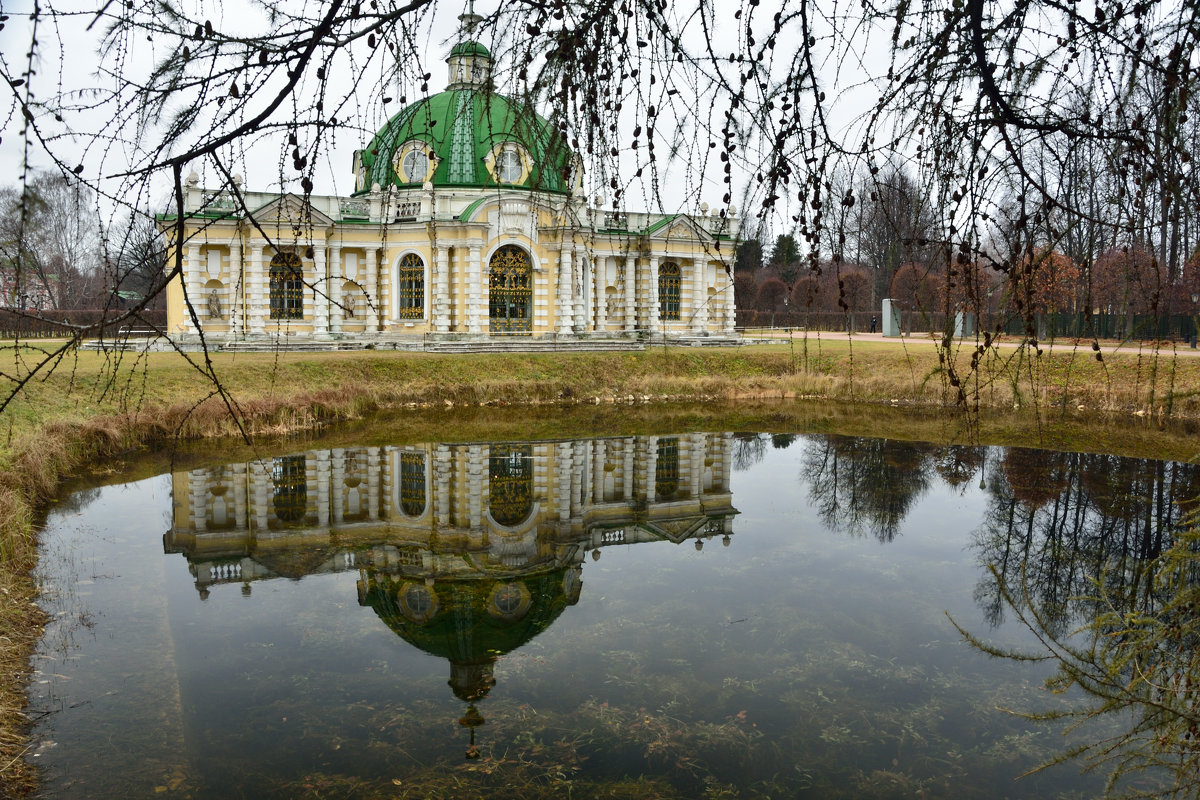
(70, 66)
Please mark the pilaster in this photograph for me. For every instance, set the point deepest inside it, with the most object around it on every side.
(630, 297)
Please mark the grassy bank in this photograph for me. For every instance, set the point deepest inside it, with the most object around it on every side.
(94, 409)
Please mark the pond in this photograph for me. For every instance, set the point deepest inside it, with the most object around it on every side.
(693, 615)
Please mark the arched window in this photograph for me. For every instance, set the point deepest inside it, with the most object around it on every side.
(666, 469)
(410, 287)
(287, 287)
(510, 295)
(289, 479)
(510, 483)
(412, 484)
(668, 290)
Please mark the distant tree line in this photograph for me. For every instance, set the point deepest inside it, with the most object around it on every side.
(56, 254)
(1035, 262)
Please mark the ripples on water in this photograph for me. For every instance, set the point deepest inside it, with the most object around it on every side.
(698, 615)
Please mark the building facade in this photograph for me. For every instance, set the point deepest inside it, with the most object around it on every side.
(467, 221)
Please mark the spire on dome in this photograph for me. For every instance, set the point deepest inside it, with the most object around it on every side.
(470, 62)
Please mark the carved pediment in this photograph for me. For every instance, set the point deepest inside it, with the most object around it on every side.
(290, 211)
(676, 530)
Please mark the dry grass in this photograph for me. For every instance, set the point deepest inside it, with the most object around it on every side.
(94, 409)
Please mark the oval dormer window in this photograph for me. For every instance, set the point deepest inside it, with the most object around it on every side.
(509, 166)
(416, 164)
(413, 162)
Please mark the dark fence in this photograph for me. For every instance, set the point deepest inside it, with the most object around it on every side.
(51, 324)
(1044, 327)
(838, 321)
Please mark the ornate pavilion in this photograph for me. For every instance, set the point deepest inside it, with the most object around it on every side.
(467, 221)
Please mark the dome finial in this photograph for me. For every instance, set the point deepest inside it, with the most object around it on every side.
(470, 62)
(470, 20)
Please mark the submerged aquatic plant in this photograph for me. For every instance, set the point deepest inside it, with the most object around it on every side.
(1136, 659)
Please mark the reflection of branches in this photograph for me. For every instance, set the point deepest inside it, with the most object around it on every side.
(748, 450)
(1105, 517)
(865, 485)
(1137, 656)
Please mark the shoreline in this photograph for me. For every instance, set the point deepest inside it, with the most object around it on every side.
(828, 386)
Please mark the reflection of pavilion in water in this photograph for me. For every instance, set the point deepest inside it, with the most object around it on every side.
(466, 551)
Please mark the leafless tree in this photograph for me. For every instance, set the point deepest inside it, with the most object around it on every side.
(882, 134)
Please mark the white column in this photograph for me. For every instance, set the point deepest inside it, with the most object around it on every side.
(651, 467)
(578, 464)
(386, 313)
(474, 287)
(255, 283)
(236, 290)
(198, 497)
(563, 468)
(630, 298)
(699, 294)
(441, 297)
(565, 284)
(696, 445)
(441, 481)
(320, 293)
(194, 271)
(652, 315)
(579, 290)
(627, 446)
(475, 486)
(261, 471)
(726, 294)
(238, 471)
(372, 483)
(724, 465)
(312, 486)
(337, 480)
(372, 289)
(323, 489)
(600, 281)
(388, 455)
(598, 459)
(334, 289)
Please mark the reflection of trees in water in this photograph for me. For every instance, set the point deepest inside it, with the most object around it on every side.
(1134, 650)
(748, 450)
(1057, 522)
(958, 464)
(866, 486)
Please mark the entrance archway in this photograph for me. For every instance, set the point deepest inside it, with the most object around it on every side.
(510, 294)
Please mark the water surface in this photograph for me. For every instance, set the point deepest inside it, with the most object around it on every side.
(699, 615)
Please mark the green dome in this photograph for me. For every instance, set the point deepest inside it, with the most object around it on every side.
(467, 136)
(470, 48)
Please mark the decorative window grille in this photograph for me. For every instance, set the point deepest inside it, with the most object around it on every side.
(668, 291)
(289, 479)
(410, 287)
(412, 484)
(510, 483)
(510, 291)
(287, 287)
(666, 468)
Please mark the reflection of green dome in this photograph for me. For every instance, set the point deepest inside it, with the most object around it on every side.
(464, 130)
(464, 626)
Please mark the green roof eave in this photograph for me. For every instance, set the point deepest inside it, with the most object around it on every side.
(660, 224)
(470, 210)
